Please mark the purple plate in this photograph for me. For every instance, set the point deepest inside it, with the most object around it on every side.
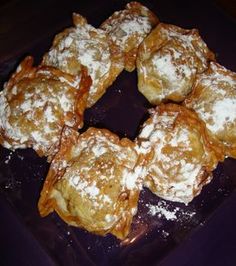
(162, 233)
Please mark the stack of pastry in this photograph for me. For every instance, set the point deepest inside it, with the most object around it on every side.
(95, 177)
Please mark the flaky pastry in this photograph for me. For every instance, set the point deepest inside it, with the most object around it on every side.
(35, 105)
(214, 99)
(168, 61)
(128, 28)
(183, 155)
(84, 45)
(93, 182)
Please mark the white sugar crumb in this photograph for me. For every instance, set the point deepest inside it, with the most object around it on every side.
(68, 41)
(50, 117)
(133, 179)
(84, 187)
(163, 210)
(147, 130)
(165, 234)
(8, 158)
(98, 150)
(65, 103)
(110, 218)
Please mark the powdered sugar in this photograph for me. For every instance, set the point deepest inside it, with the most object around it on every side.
(122, 30)
(133, 179)
(219, 110)
(83, 45)
(222, 113)
(41, 110)
(161, 211)
(164, 210)
(174, 174)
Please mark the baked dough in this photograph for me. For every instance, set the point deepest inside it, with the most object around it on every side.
(84, 45)
(35, 105)
(93, 182)
(214, 99)
(128, 28)
(183, 155)
(168, 61)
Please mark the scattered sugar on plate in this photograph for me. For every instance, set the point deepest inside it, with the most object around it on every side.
(163, 210)
(8, 158)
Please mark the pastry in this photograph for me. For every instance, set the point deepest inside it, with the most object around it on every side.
(84, 45)
(214, 99)
(94, 182)
(128, 28)
(35, 105)
(168, 61)
(183, 155)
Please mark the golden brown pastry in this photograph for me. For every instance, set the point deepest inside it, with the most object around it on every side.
(214, 99)
(128, 28)
(183, 155)
(168, 61)
(90, 47)
(94, 182)
(35, 105)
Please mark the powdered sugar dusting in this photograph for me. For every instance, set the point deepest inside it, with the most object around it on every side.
(82, 45)
(171, 71)
(126, 26)
(41, 110)
(223, 112)
(219, 110)
(173, 173)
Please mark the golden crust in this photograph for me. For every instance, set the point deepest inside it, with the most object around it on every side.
(183, 154)
(88, 46)
(168, 61)
(93, 182)
(214, 99)
(128, 28)
(35, 105)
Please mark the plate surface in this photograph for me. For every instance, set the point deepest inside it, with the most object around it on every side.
(122, 110)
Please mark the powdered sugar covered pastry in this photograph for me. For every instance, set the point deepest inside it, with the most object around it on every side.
(128, 28)
(36, 103)
(183, 155)
(94, 182)
(90, 47)
(168, 61)
(214, 99)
